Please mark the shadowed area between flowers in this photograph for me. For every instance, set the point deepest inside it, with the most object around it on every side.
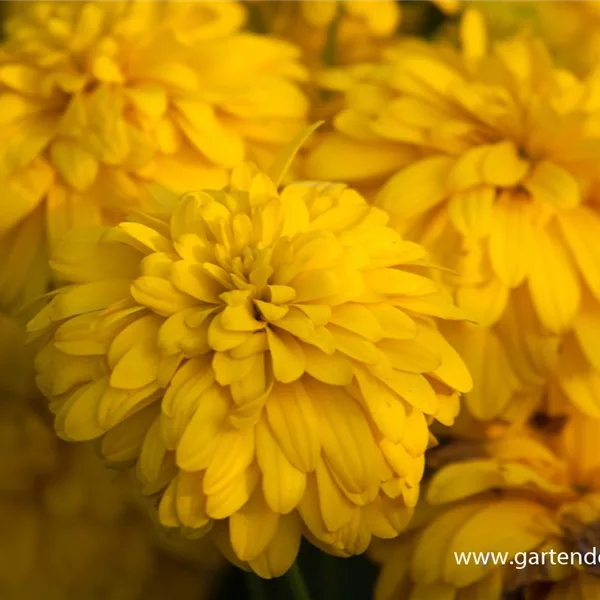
(326, 577)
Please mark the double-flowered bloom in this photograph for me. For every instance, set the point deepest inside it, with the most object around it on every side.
(269, 359)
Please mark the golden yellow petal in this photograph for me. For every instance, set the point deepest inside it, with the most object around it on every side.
(253, 527)
(293, 419)
(197, 443)
(282, 484)
(555, 293)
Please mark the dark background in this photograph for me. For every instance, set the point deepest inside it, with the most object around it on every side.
(327, 578)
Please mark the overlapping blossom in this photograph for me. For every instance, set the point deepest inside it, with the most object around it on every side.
(488, 159)
(500, 187)
(269, 359)
(530, 492)
(99, 98)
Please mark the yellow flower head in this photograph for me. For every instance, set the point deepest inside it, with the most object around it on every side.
(499, 152)
(532, 492)
(97, 98)
(270, 360)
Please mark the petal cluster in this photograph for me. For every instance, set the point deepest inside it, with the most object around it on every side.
(531, 491)
(269, 359)
(98, 99)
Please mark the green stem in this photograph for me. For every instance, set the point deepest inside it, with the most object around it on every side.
(256, 21)
(256, 589)
(297, 583)
(329, 52)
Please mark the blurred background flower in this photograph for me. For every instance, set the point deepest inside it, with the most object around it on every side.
(99, 98)
(571, 29)
(71, 529)
(489, 160)
(535, 489)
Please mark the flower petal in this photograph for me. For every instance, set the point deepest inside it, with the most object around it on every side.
(416, 188)
(286, 355)
(76, 419)
(197, 443)
(553, 185)
(555, 292)
(283, 549)
(282, 484)
(471, 211)
(76, 166)
(581, 229)
(252, 528)
(292, 418)
(190, 500)
(511, 239)
(502, 165)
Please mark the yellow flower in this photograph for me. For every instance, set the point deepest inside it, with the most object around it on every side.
(270, 360)
(99, 98)
(500, 153)
(530, 492)
(488, 160)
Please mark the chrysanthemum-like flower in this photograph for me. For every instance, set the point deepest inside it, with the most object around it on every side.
(270, 360)
(499, 150)
(533, 492)
(97, 98)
